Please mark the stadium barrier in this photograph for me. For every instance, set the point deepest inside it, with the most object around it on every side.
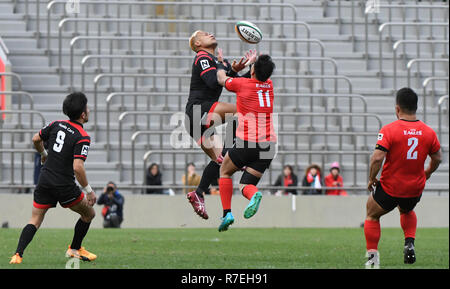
(90, 5)
(161, 211)
(441, 101)
(402, 24)
(168, 58)
(184, 22)
(418, 43)
(425, 83)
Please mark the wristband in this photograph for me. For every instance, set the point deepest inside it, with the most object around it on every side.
(88, 189)
(44, 153)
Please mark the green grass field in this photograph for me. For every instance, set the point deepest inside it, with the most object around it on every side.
(235, 249)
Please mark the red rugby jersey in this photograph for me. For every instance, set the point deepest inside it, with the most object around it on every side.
(408, 143)
(254, 107)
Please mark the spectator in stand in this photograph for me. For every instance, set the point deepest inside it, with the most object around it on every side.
(287, 179)
(193, 179)
(334, 179)
(313, 180)
(113, 206)
(153, 178)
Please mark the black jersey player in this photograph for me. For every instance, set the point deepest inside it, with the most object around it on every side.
(203, 109)
(68, 146)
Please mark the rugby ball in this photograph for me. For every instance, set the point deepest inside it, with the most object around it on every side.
(248, 32)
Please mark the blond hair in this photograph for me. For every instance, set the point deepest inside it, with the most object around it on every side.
(192, 40)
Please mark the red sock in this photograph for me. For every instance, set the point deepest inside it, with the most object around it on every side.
(372, 231)
(249, 191)
(226, 192)
(408, 222)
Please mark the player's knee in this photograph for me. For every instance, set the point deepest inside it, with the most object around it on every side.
(88, 216)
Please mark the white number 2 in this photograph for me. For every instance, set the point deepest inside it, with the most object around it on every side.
(261, 98)
(412, 143)
(57, 147)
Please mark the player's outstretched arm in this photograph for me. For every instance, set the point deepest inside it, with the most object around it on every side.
(221, 77)
(436, 159)
(39, 146)
(375, 165)
(80, 174)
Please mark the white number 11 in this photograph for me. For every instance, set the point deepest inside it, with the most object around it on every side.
(261, 98)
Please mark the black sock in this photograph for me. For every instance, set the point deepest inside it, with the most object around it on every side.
(225, 212)
(25, 238)
(81, 229)
(409, 240)
(210, 173)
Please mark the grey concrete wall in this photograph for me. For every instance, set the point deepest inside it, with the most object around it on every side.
(160, 211)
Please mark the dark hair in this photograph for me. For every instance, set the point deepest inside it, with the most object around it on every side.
(264, 67)
(407, 100)
(190, 164)
(74, 105)
(152, 165)
(289, 167)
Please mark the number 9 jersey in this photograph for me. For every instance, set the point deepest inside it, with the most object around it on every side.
(67, 141)
(407, 143)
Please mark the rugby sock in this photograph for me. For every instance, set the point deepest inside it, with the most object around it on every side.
(25, 238)
(408, 222)
(249, 191)
(372, 231)
(81, 229)
(210, 173)
(226, 193)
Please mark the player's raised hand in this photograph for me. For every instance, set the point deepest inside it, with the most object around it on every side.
(220, 55)
(238, 66)
(251, 56)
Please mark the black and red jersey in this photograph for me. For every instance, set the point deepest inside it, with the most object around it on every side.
(204, 86)
(67, 140)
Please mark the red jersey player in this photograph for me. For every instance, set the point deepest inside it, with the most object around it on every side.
(255, 136)
(405, 144)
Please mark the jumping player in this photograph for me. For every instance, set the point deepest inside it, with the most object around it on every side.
(203, 104)
(68, 150)
(255, 137)
(405, 144)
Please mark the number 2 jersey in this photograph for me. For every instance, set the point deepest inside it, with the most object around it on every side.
(67, 141)
(407, 143)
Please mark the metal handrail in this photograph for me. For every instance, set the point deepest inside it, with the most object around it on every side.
(87, 58)
(403, 24)
(156, 3)
(164, 132)
(296, 152)
(440, 102)
(13, 151)
(135, 94)
(185, 76)
(425, 85)
(398, 43)
(30, 112)
(417, 60)
(171, 38)
(182, 21)
(122, 116)
(3, 46)
(28, 95)
(12, 145)
(15, 75)
(402, 6)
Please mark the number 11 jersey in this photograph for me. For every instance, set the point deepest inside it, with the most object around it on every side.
(67, 140)
(254, 101)
(407, 143)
